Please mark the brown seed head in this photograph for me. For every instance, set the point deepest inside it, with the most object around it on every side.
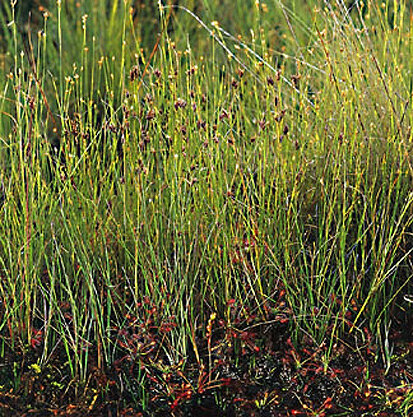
(134, 73)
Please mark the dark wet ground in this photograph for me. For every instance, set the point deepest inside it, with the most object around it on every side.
(249, 370)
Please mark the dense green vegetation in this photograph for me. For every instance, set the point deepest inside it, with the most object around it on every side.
(195, 170)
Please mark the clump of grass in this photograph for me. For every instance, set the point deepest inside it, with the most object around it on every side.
(185, 179)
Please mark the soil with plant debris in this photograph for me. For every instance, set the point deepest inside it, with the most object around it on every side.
(250, 368)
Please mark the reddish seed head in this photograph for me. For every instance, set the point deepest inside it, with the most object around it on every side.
(262, 124)
(295, 79)
(224, 115)
(180, 104)
(280, 116)
(134, 73)
(151, 114)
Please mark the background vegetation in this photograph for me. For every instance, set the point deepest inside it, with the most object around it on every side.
(167, 165)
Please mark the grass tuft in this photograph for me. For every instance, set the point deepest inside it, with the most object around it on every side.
(160, 192)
